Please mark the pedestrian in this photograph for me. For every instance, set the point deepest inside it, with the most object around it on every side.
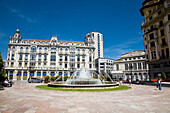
(159, 84)
(129, 81)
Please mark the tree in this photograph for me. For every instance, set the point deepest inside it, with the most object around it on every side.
(164, 76)
(2, 71)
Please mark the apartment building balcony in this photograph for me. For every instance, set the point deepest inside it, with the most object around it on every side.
(164, 45)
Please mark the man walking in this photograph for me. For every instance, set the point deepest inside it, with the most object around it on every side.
(159, 84)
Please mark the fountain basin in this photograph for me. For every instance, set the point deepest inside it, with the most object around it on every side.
(82, 85)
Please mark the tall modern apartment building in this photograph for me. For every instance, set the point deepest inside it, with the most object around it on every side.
(39, 58)
(96, 39)
(156, 35)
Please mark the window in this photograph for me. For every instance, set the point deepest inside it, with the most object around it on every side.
(32, 56)
(159, 12)
(20, 64)
(152, 44)
(117, 67)
(161, 23)
(26, 48)
(167, 52)
(72, 50)
(72, 65)
(13, 47)
(151, 36)
(78, 65)
(65, 65)
(65, 58)
(25, 65)
(163, 53)
(26, 56)
(130, 66)
(60, 57)
(45, 57)
(83, 58)
(153, 54)
(144, 65)
(60, 65)
(52, 64)
(39, 64)
(163, 41)
(32, 64)
(53, 48)
(78, 50)
(45, 64)
(38, 73)
(33, 49)
(53, 58)
(83, 50)
(12, 64)
(162, 32)
(61, 49)
(45, 49)
(39, 57)
(90, 66)
(40, 49)
(139, 65)
(66, 50)
(150, 18)
(90, 59)
(72, 58)
(78, 58)
(169, 17)
(21, 48)
(12, 57)
(134, 66)
(20, 57)
(126, 66)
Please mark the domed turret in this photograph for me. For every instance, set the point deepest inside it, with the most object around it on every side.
(16, 38)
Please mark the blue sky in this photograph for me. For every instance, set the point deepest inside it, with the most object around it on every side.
(118, 20)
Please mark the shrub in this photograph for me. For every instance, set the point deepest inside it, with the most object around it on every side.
(47, 78)
(52, 78)
(164, 76)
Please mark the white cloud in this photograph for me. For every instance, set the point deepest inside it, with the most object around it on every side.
(2, 35)
(18, 13)
(115, 51)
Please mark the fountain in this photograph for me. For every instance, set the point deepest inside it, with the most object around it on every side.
(84, 80)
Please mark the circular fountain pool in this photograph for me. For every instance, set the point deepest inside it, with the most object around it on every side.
(84, 80)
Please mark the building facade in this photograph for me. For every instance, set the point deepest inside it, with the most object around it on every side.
(96, 39)
(132, 65)
(156, 35)
(104, 65)
(39, 58)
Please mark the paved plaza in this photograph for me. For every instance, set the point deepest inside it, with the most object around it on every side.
(25, 98)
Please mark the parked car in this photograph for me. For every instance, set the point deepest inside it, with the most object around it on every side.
(35, 80)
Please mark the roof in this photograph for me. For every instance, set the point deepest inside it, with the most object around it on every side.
(49, 41)
(133, 52)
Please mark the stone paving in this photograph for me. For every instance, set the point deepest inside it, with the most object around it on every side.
(25, 98)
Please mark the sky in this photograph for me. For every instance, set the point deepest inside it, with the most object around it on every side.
(118, 20)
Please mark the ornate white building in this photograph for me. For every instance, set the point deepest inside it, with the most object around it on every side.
(133, 65)
(39, 58)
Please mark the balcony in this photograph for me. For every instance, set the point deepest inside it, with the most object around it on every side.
(164, 45)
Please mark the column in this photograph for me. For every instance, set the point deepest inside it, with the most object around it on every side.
(15, 75)
(28, 74)
(63, 76)
(35, 74)
(22, 74)
(41, 74)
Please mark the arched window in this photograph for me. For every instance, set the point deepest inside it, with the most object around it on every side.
(33, 48)
(26, 48)
(21, 48)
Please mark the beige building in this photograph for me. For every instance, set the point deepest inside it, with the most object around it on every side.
(156, 35)
(133, 66)
(39, 58)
